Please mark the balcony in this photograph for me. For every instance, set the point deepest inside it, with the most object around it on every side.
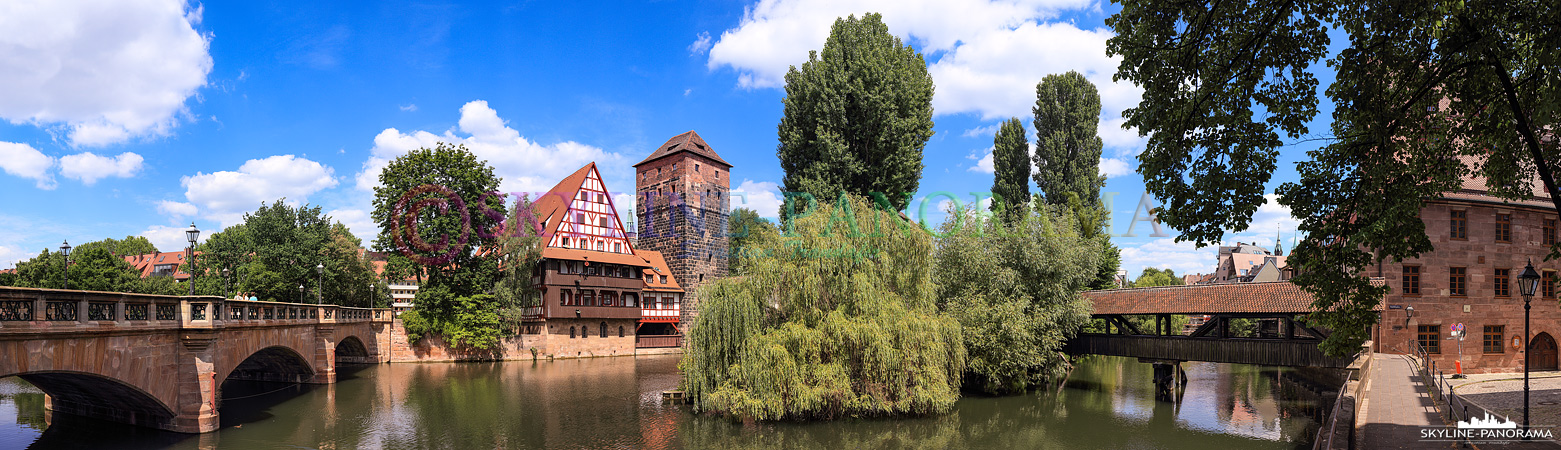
(660, 315)
(655, 341)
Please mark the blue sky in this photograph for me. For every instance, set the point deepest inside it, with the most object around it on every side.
(139, 117)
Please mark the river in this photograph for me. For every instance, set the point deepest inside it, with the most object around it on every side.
(616, 403)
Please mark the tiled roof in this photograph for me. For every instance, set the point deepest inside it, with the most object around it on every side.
(593, 256)
(1270, 297)
(658, 267)
(147, 263)
(556, 201)
(686, 142)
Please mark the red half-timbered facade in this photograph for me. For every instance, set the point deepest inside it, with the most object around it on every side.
(597, 291)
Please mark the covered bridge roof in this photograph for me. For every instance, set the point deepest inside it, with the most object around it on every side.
(1262, 297)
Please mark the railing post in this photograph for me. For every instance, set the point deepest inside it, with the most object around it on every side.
(81, 310)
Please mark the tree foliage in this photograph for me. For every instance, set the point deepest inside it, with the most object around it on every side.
(745, 231)
(1011, 167)
(837, 319)
(437, 207)
(130, 245)
(857, 115)
(278, 248)
(1156, 277)
(1014, 287)
(1067, 147)
(519, 251)
(1426, 95)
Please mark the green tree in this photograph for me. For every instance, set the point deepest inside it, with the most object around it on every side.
(1067, 148)
(1420, 88)
(797, 339)
(519, 251)
(1156, 277)
(437, 207)
(856, 117)
(92, 269)
(130, 245)
(745, 232)
(1014, 287)
(1011, 164)
(278, 248)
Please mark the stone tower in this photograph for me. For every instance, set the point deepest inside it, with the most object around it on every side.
(682, 209)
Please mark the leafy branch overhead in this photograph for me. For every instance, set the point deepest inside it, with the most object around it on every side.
(1427, 95)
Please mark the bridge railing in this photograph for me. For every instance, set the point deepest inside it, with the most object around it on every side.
(33, 310)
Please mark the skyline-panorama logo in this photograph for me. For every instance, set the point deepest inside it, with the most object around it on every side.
(1488, 429)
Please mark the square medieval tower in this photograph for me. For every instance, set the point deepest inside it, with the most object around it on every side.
(682, 207)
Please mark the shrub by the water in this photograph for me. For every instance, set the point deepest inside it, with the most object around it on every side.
(837, 318)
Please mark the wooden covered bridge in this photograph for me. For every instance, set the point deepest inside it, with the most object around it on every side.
(1287, 342)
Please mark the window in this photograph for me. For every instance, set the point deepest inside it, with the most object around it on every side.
(1459, 225)
(1502, 283)
(1503, 228)
(664, 279)
(601, 246)
(1550, 232)
(1455, 281)
(617, 247)
(602, 222)
(563, 298)
(1411, 280)
(1547, 284)
(579, 217)
(604, 329)
(566, 242)
(571, 332)
(620, 331)
(696, 167)
(1493, 339)
(1430, 337)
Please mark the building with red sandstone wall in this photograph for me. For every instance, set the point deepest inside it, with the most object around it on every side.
(682, 192)
(1481, 244)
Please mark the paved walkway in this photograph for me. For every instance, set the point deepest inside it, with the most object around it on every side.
(1502, 394)
(1396, 407)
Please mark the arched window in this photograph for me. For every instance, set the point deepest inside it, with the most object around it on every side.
(604, 329)
(571, 332)
(620, 331)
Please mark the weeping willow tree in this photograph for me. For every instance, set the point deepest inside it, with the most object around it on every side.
(1014, 287)
(836, 318)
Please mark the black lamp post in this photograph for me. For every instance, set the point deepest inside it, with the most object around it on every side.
(319, 285)
(192, 234)
(300, 293)
(1527, 283)
(65, 250)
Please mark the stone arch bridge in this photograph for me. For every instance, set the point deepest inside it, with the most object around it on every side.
(160, 361)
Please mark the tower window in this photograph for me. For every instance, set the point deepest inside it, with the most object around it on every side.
(696, 167)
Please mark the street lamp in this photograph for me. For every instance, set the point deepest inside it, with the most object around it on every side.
(191, 234)
(65, 250)
(300, 293)
(1527, 283)
(225, 292)
(319, 287)
(373, 291)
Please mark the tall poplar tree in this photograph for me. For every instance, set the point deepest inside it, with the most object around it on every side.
(857, 116)
(1011, 166)
(1067, 148)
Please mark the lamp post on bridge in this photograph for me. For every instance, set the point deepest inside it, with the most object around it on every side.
(319, 285)
(1527, 283)
(65, 250)
(300, 293)
(192, 234)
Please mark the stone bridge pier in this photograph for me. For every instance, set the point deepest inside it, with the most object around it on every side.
(161, 361)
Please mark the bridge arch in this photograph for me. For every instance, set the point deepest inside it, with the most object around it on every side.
(351, 350)
(273, 363)
(100, 396)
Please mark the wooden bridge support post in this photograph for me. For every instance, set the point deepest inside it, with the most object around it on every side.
(196, 410)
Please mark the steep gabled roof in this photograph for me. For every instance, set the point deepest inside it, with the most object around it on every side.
(659, 267)
(686, 142)
(556, 201)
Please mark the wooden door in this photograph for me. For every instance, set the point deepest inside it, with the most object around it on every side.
(1542, 354)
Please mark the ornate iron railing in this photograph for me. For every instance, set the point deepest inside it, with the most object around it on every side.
(60, 311)
(100, 311)
(135, 311)
(11, 311)
(167, 312)
(198, 311)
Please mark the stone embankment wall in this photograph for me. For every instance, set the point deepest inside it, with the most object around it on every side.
(552, 345)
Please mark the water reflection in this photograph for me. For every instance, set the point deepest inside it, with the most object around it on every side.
(615, 403)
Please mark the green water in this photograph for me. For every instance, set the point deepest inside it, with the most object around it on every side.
(615, 403)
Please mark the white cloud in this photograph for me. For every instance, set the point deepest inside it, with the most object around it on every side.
(9, 256)
(701, 43)
(1115, 167)
(1271, 218)
(109, 70)
(89, 167)
(761, 196)
(358, 221)
(983, 165)
(1165, 253)
(523, 165)
(225, 196)
(988, 130)
(408, 108)
(171, 239)
(24, 161)
(176, 209)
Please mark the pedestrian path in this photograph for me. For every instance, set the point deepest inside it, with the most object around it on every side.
(1396, 406)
